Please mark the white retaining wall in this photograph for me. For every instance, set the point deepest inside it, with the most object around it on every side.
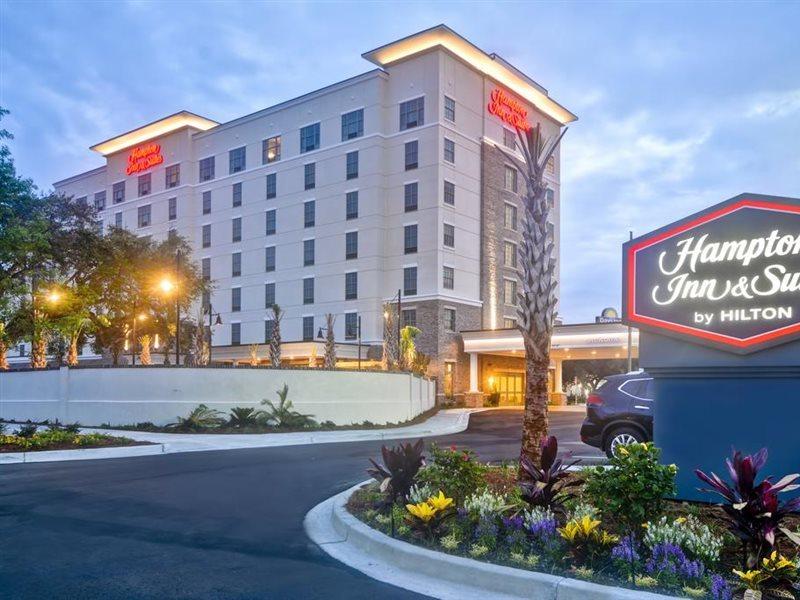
(122, 396)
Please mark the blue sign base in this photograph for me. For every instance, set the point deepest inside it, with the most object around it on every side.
(730, 401)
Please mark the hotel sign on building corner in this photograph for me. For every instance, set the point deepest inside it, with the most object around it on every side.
(727, 277)
(508, 110)
(143, 157)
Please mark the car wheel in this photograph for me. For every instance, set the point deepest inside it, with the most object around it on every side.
(622, 437)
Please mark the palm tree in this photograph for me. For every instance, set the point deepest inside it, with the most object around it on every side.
(536, 271)
(275, 338)
(144, 353)
(330, 342)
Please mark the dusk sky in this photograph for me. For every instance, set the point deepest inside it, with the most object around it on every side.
(681, 105)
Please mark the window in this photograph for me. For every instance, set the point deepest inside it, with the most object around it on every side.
(118, 220)
(236, 334)
(510, 292)
(206, 268)
(449, 235)
(144, 216)
(350, 286)
(206, 236)
(409, 317)
(449, 109)
(351, 205)
(308, 329)
(100, 201)
(411, 197)
(410, 239)
(237, 195)
(271, 222)
(309, 138)
(450, 193)
(447, 384)
(237, 159)
(308, 252)
(509, 139)
(511, 179)
(448, 278)
(509, 254)
(272, 185)
(308, 290)
(98, 226)
(118, 192)
(410, 281)
(271, 150)
(510, 217)
(310, 176)
(450, 319)
(550, 195)
(172, 176)
(236, 264)
(309, 209)
(509, 322)
(207, 169)
(351, 245)
(352, 165)
(412, 113)
(206, 203)
(269, 294)
(236, 229)
(350, 326)
(270, 258)
(144, 184)
(172, 209)
(411, 149)
(236, 299)
(449, 150)
(353, 124)
(269, 327)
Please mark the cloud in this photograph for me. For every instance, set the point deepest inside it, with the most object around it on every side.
(774, 105)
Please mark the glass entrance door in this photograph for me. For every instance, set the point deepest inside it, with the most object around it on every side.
(510, 386)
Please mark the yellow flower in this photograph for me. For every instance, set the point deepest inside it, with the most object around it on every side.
(623, 451)
(680, 520)
(605, 538)
(440, 502)
(776, 562)
(579, 529)
(423, 511)
(750, 578)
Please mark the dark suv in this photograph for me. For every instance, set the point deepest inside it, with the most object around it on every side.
(619, 411)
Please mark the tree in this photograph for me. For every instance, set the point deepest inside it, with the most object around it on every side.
(275, 338)
(253, 350)
(408, 344)
(200, 342)
(144, 354)
(536, 271)
(390, 348)
(330, 342)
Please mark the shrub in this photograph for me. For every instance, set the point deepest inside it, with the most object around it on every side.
(73, 427)
(200, 418)
(485, 504)
(587, 540)
(426, 518)
(457, 472)
(27, 430)
(755, 515)
(284, 415)
(241, 417)
(689, 534)
(633, 489)
(399, 469)
(547, 487)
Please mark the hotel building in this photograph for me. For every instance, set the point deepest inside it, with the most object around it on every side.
(333, 201)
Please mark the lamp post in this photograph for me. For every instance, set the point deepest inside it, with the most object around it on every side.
(177, 311)
(136, 317)
(211, 315)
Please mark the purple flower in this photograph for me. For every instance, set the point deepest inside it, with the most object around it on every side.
(670, 559)
(513, 523)
(543, 530)
(720, 589)
(626, 550)
(487, 528)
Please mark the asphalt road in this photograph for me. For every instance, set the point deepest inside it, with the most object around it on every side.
(222, 524)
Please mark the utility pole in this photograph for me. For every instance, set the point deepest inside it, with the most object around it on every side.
(359, 342)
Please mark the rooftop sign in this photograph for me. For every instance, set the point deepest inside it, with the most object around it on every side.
(142, 158)
(509, 110)
(726, 277)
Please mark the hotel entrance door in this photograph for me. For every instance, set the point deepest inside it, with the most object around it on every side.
(510, 386)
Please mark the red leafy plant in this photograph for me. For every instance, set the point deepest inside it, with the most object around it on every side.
(548, 486)
(399, 469)
(753, 509)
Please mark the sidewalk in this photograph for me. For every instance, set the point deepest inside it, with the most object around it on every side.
(445, 422)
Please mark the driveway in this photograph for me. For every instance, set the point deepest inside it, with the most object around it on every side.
(222, 524)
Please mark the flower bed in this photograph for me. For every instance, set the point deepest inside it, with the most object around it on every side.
(60, 439)
(611, 526)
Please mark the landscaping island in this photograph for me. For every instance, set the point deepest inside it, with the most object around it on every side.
(611, 526)
(29, 439)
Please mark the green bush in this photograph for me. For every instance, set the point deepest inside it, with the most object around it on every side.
(201, 417)
(633, 489)
(283, 415)
(456, 472)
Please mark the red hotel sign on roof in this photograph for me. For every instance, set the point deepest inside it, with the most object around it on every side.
(142, 158)
(509, 110)
(727, 277)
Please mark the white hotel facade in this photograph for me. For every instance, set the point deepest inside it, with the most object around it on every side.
(333, 201)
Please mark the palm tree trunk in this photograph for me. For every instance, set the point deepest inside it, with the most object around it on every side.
(534, 419)
(3, 356)
(72, 354)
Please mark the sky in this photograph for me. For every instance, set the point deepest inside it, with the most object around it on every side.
(680, 105)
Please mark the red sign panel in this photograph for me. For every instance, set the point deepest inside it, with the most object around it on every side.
(142, 158)
(509, 110)
(727, 277)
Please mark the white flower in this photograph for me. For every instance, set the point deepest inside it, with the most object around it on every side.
(689, 534)
(485, 503)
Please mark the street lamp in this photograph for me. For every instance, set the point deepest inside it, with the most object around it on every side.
(168, 286)
(218, 321)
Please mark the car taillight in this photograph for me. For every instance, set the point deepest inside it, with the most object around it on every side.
(594, 399)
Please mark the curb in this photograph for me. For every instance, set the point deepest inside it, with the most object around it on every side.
(15, 458)
(436, 574)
